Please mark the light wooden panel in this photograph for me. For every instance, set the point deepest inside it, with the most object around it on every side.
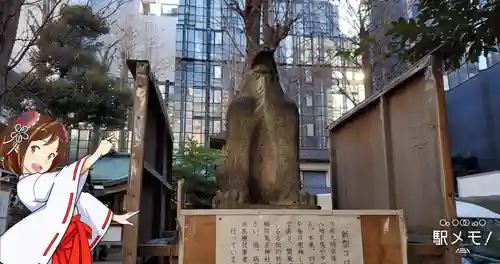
(198, 239)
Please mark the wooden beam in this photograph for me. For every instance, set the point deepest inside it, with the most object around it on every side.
(435, 74)
(133, 196)
(157, 175)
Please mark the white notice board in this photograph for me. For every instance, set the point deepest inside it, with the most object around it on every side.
(297, 239)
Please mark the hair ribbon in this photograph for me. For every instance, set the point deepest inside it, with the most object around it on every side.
(19, 134)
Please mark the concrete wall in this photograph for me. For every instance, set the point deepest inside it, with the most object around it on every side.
(473, 109)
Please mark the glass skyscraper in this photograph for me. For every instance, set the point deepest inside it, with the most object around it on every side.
(196, 102)
(210, 44)
(306, 69)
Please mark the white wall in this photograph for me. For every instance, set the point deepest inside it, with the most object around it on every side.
(147, 37)
(484, 184)
(31, 16)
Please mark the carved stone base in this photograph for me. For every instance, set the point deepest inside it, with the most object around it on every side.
(270, 206)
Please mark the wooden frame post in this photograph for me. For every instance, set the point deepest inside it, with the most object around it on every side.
(444, 155)
(133, 197)
(180, 202)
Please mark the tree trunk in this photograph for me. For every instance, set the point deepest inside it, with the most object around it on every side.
(122, 142)
(9, 20)
(266, 29)
(252, 29)
(366, 64)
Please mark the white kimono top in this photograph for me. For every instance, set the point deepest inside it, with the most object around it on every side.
(53, 198)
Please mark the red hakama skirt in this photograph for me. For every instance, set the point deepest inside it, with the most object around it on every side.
(74, 247)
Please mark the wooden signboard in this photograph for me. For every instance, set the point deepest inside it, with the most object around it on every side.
(292, 236)
(399, 135)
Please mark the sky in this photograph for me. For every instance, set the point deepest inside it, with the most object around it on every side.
(344, 25)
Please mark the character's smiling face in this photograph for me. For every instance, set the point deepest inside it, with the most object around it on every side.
(40, 155)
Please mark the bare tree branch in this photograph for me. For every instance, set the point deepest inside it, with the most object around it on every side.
(235, 6)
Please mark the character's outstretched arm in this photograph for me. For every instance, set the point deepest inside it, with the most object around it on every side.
(88, 161)
(45, 182)
(104, 148)
(96, 215)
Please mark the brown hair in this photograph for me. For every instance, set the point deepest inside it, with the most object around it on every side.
(42, 127)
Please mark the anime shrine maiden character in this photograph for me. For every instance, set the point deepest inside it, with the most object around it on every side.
(65, 223)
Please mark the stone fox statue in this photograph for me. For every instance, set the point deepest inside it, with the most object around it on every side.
(259, 163)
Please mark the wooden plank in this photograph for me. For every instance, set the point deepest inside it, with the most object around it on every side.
(388, 159)
(199, 240)
(382, 239)
(447, 181)
(360, 142)
(133, 196)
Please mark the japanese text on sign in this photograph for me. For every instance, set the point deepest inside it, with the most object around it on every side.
(288, 239)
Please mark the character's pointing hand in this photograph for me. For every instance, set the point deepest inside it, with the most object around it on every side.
(123, 219)
(105, 146)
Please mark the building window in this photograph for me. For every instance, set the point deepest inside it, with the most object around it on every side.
(446, 83)
(168, 9)
(309, 100)
(216, 96)
(315, 182)
(216, 126)
(79, 143)
(310, 130)
(309, 76)
(493, 57)
(146, 9)
(452, 79)
(218, 38)
(217, 72)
